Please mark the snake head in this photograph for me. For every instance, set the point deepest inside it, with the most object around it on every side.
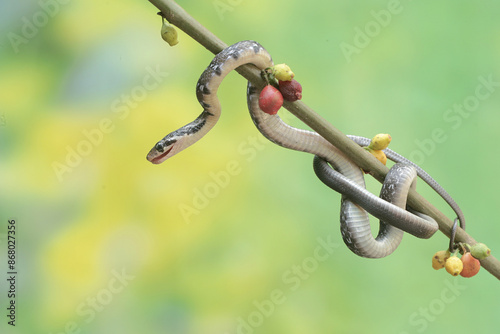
(162, 150)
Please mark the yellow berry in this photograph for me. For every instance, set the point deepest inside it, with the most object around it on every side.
(454, 266)
(380, 141)
(439, 259)
(169, 34)
(380, 155)
(282, 72)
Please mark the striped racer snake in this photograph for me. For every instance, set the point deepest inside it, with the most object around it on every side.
(345, 177)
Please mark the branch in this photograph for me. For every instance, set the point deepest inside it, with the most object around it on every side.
(176, 15)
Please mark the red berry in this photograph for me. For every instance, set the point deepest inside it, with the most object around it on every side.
(291, 90)
(270, 100)
(471, 265)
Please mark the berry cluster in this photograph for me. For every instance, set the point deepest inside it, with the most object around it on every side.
(281, 86)
(466, 266)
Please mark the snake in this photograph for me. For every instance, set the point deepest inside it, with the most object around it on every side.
(332, 166)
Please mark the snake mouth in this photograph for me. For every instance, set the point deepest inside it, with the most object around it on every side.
(159, 159)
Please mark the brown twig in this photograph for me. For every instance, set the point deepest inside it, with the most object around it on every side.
(177, 16)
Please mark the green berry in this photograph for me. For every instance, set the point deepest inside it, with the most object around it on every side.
(480, 251)
(169, 34)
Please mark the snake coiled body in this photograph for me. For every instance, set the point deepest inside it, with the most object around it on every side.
(346, 177)
(349, 181)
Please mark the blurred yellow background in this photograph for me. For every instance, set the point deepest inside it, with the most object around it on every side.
(109, 243)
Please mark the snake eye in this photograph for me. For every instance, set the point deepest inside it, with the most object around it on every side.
(159, 147)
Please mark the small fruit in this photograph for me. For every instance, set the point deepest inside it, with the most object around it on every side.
(470, 264)
(480, 251)
(380, 141)
(377, 144)
(169, 34)
(291, 90)
(454, 265)
(439, 259)
(282, 72)
(270, 100)
(380, 155)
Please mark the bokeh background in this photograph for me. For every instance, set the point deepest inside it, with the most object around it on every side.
(111, 243)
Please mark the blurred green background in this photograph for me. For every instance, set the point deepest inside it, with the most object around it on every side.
(108, 242)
